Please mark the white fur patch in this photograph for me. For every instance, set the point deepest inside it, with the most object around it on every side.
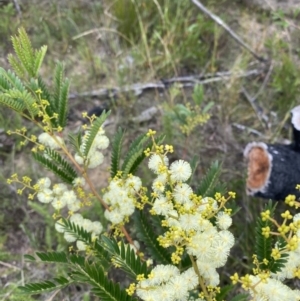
(296, 117)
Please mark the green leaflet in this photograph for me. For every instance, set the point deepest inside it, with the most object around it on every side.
(62, 163)
(39, 57)
(136, 154)
(14, 104)
(12, 80)
(45, 286)
(26, 98)
(27, 60)
(240, 297)
(99, 251)
(61, 92)
(16, 66)
(148, 237)
(94, 131)
(75, 140)
(39, 84)
(116, 152)
(210, 180)
(125, 257)
(61, 169)
(60, 257)
(102, 287)
(263, 245)
(194, 163)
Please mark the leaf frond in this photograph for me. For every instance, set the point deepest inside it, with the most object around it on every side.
(26, 98)
(75, 140)
(210, 180)
(60, 257)
(11, 103)
(263, 244)
(38, 59)
(147, 235)
(60, 97)
(61, 162)
(94, 131)
(116, 152)
(49, 164)
(24, 51)
(125, 257)
(16, 66)
(44, 286)
(95, 245)
(102, 287)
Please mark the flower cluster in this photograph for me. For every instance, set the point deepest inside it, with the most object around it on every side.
(187, 218)
(94, 157)
(264, 284)
(59, 196)
(292, 267)
(272, 290)
(189, 229)
(167, 283)
(121, 198)
(50, 141)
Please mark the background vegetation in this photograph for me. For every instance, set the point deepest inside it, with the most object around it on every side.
(107, 44)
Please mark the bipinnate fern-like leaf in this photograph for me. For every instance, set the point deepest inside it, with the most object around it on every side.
(135, 149)
(97, 123)
(59, 257)
(45, 286)
(277, 265)
(75, 140)
(16, 66)
(147, 235)
(136, 155)
(96, 246)
(263, 245)
(102, 287)
(28, 60)
(39, 84)
(125, 257)
(11, 103)
(12, 80)
(39, 57)
(61, 92)
(61, 162)
(116, 152)
(240, 297)
(59, 169)
(26, 98)
(14, 94)
(194, 163)
(210, 180)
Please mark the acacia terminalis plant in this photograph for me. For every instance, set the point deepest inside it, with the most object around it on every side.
(184, 232)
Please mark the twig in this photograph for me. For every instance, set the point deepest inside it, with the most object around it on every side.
(17, 7)
(249, 130)
(8, 265)
(219, 21)
(266, 79)
(257, 109)
(184, 81)
(53, 295)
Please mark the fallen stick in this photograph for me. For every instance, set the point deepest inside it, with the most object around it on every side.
(184, 81)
